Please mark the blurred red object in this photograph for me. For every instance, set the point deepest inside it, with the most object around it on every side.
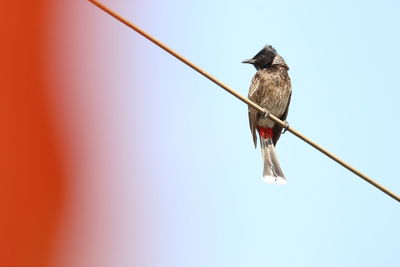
(31, 175)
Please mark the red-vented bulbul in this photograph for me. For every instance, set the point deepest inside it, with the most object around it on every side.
(270, 89)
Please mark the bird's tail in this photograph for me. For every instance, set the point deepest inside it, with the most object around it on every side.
(272, 171)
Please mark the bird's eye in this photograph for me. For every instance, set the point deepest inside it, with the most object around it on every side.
(262, 56)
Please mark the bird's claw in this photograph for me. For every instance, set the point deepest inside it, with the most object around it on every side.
(266, 112)
(285, 127)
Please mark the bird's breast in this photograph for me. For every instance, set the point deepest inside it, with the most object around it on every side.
(275, 90)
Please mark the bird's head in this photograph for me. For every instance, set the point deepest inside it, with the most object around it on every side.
(263, 59)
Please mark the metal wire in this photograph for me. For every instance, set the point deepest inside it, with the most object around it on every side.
(244, 99)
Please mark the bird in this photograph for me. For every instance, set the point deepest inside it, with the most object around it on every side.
(271, 89)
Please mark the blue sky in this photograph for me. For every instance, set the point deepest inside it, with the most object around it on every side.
(207, 204)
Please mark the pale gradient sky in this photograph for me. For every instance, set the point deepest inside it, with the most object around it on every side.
(204, 203)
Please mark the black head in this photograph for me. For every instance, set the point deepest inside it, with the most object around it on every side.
(263, 59)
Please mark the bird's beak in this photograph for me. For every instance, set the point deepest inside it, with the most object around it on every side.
(249, 61)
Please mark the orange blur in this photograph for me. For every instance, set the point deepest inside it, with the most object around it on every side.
(31, 172)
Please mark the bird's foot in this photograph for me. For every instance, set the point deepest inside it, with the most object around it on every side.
(285, 127)
(266, 112)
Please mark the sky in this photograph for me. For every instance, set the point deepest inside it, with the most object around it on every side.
(160, 165)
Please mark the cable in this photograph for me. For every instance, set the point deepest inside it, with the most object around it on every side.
(244, 99)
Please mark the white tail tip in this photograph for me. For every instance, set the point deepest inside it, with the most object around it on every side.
(274, 179)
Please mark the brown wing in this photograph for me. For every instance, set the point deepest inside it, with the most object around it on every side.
(254, 95)
(277, 130)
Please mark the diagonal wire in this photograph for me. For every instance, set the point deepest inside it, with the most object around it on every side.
(244, 99)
